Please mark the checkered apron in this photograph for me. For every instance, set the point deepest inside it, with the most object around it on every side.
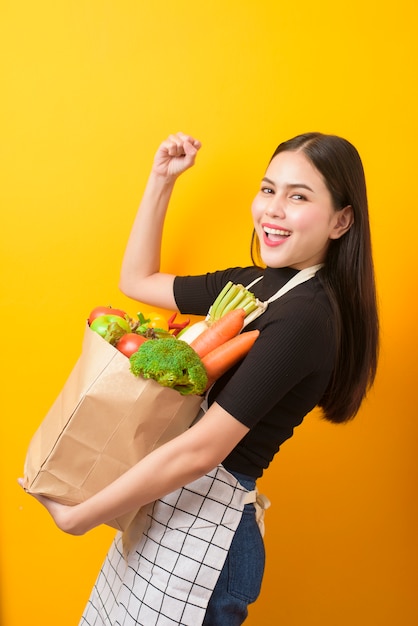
(168, 577)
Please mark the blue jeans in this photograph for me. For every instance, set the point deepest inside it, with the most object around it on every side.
(240, 580)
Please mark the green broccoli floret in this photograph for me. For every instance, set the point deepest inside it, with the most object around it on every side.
(171, 363)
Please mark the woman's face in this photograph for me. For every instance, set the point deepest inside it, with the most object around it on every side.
(293, 213)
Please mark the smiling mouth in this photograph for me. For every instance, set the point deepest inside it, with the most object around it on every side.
(275, 235)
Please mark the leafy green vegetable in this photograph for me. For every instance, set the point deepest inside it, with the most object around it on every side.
(114, 332)
(171, 363)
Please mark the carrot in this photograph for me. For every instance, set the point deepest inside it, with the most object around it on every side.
(220, 331)
(219, 360)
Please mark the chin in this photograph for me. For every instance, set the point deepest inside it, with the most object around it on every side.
(271, 260)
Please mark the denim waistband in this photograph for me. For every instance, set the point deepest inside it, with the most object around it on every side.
(246, 481)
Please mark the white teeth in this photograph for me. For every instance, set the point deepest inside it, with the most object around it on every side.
(276, 231)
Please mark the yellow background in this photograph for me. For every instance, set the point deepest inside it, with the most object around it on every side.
(88, 91)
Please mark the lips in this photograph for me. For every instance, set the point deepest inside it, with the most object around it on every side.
(274, 236)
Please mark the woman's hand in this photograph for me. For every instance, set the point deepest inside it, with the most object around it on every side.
(175, 155)
(62, 514)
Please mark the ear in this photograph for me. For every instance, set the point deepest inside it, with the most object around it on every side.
(344, 218)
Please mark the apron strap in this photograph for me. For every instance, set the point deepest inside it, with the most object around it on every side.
(261, 503)
(301, 277)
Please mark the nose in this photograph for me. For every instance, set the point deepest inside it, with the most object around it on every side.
(275, 208)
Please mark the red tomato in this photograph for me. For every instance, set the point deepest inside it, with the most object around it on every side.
(129, 343)
(104, 310)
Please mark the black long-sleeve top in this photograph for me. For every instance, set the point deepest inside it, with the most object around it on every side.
(287, 371)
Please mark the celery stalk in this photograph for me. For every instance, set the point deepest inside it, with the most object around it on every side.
(234, 296)
(260, 307)
(232, 292)
(250, 306)
(236, 302)
(213, 309)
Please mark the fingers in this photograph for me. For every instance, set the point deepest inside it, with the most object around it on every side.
(42, 499)
(175, 155)
(180, 144)
(60, 513)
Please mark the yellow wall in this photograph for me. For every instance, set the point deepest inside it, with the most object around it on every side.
(88, 91)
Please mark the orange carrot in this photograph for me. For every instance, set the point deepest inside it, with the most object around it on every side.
(226, 327)
(219, 360)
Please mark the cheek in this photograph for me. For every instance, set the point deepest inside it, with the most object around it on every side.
(313, 221)
(257, 209)
(303, 221)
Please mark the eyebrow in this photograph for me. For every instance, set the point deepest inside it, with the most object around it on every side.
(289, 185)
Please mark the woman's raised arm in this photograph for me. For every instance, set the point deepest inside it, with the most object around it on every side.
(141, 278)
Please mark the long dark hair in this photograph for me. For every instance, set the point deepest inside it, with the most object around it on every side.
(347, 276)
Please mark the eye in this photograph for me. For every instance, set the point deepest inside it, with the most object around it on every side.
(266, 190)
(298, 196)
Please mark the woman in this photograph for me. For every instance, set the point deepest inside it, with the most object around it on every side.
(201, 558)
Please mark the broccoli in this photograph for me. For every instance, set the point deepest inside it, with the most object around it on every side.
(171, 363)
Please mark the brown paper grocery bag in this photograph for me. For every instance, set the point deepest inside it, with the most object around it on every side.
(104, 420)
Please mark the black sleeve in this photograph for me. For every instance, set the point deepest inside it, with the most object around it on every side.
(195, 294)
